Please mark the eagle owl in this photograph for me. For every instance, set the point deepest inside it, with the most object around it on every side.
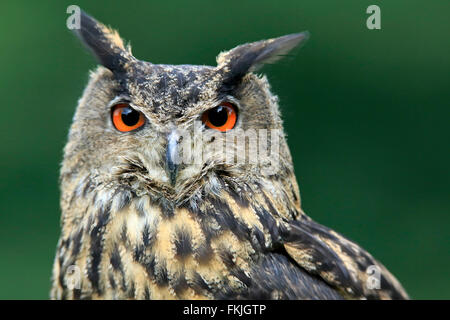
(140, 222)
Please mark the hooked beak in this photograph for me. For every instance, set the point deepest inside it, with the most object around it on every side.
(172, 156)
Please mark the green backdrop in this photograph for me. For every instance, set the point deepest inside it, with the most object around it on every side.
(367, 115)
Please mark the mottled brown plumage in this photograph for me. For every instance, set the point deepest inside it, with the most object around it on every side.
(210, 230)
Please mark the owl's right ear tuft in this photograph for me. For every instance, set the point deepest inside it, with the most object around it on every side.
(251, 57)
(104, 43)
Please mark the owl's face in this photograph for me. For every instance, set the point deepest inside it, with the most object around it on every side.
(172, 131)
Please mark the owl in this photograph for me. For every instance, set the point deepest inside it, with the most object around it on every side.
(177, 183)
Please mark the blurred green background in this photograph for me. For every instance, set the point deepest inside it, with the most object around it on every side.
(367, 115)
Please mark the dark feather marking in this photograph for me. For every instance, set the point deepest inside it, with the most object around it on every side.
(183, 243)
(161, 275)
(174, 95)
(156, 105)
(125, 197)
(167, 209)
(294, 194)
(227, 257)
(93, 200)
(193, 209)
(115, 259)
(123, 233)
(91, 217)
(191, 76)
(162, 84)
(228, 293)
(270, 206)
(97, 246)
(240, 274)
(233, 79)
(111, 281)
(268, 222)
(76, 246)
(65, 243)
(62, 271)
(148, 237)
(385, 285)
(123, 283)
(203, 253)
(138, 252)
(199, 284)
(76, 294)
(149, 265)
(227, 219)
(193, 94)
(131, 292)
(146, 293)
(181, 80)
(258, 245)
(86, 188)
(239, 198)
(179, 283)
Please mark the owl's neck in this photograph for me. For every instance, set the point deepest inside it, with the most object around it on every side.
(116, 237)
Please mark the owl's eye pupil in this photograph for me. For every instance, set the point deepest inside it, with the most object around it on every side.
(130, 117)
(218, 116)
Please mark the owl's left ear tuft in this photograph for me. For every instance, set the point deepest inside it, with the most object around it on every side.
(104, 43)
(251, 56)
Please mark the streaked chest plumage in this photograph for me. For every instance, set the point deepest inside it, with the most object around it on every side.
(135, 247)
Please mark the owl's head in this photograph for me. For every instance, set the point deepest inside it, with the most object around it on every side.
(176, 131)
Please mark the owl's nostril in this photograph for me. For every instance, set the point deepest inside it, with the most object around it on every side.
(172, 156)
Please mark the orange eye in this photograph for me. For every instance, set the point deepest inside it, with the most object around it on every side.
(222, 118)
(126, 118)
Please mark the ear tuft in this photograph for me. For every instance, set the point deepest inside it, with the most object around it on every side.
(251, 56)
(104, 43)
